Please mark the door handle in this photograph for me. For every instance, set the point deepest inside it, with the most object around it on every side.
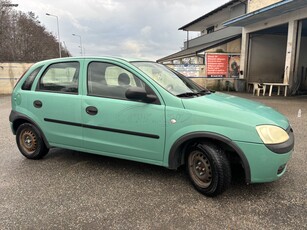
(37, 104)
(91, 110)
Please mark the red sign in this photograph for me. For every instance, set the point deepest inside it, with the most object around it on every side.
(217, 65)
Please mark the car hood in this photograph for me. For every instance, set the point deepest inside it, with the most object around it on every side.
(232, 108)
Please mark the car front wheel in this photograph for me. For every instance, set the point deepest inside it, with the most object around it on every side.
(208, 168)
(30, 142)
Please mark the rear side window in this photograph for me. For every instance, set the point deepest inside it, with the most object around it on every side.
(30, 79)
(60, 77)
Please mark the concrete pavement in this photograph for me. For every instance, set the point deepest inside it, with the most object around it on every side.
(73, 190)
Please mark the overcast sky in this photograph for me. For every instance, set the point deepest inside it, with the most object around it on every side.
(131, 28)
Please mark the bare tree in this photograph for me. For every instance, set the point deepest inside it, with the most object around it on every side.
(23, 38)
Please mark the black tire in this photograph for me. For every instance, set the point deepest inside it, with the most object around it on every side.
(208, 168)
(30, 142)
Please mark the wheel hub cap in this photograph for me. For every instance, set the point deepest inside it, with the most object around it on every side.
(200, 168)
(28, 141)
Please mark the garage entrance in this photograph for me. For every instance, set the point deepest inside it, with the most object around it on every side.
(267, 54)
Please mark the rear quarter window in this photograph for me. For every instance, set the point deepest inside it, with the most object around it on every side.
(30, 79)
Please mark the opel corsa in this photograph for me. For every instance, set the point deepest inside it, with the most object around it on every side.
(143, 111)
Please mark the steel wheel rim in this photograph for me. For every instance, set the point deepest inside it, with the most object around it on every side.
(200, 169)
(28, 141)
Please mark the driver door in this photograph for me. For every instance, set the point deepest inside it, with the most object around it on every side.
(116, 126)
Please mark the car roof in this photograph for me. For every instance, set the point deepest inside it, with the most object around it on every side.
(121, 59)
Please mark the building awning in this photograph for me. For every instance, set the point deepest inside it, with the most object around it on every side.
(268, 12)
(193, 51)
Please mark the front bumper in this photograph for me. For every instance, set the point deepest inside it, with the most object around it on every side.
(265, 165)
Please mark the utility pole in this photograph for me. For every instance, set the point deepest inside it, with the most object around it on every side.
(57, 20)
(80, 43)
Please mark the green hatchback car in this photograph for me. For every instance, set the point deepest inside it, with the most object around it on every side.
(143, 111)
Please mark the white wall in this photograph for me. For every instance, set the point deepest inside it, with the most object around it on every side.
(258, 4)
(10, 74)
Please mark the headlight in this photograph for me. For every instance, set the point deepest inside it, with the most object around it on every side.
(270, 134)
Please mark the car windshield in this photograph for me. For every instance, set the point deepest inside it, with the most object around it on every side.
(172, 81)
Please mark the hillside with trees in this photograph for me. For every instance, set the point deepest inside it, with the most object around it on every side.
(23, 38)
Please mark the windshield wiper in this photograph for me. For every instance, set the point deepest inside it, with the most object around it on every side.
(199, 93)
(187, 94)
(206, 91)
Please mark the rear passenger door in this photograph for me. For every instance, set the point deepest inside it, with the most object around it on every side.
(116, 126)
(55, 104)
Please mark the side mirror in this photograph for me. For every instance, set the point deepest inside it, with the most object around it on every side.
(139, 94)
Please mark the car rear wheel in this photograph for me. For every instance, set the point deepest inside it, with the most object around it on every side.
(208, 169)
(30, 142)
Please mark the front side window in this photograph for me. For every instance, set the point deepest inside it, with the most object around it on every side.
(172, 81)
(60, 77)
(109, 80)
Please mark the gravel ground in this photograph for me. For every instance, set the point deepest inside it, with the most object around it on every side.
(73, 190)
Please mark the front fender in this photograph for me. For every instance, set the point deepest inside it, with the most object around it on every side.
(176, 150)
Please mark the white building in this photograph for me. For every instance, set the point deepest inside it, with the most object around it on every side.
(274, 43)
(269, 38)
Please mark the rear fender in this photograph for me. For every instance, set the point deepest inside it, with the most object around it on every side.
(17, 119)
